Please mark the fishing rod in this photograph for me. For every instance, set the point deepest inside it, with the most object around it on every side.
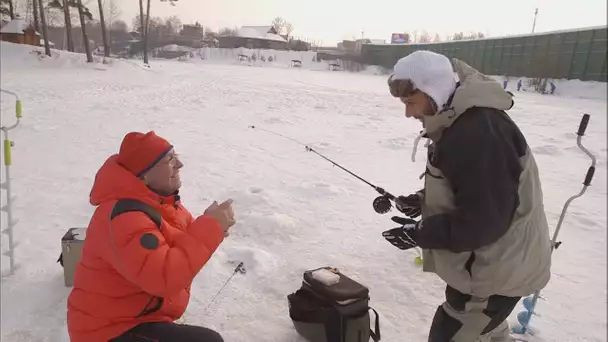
(381, 204)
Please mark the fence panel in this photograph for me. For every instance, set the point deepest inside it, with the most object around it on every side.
(577, 54)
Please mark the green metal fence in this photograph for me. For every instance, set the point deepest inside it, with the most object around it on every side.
(576, 54)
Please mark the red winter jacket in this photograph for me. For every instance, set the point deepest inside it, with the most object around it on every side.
(118, 279)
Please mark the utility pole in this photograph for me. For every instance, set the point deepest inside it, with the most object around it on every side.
(534, 24)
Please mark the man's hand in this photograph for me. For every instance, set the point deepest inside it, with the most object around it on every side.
(223, 213)
(403, 237)
(410, 205)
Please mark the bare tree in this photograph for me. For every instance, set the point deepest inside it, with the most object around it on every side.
(227, 31)
(119, 25)
(35, 12)
(7, 9)
(65, 6)
(173, 25)
(458, 36)
(279, 24)
(113, 13)
(45, 31)
(288, 29)
(425, 37)
(82, 11)
(106, 45)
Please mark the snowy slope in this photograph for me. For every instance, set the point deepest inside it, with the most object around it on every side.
(295, 211)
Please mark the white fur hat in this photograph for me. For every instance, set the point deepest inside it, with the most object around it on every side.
(429, 72)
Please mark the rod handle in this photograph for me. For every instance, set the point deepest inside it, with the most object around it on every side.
(589, 176)
(583, 126)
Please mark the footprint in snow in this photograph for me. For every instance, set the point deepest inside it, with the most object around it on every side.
(585, 221)
(274, 121)
(396, 143)
(548, 150)
(255, 190)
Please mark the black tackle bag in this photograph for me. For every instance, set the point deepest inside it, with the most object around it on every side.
(331, 307)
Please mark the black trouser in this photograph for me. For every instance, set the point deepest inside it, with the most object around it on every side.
(168, 332)
(466, 318)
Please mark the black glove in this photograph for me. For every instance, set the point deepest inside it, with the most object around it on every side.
(410, 205)
(403, 237)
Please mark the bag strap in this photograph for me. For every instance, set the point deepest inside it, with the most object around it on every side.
(375, 335)
(127, 205)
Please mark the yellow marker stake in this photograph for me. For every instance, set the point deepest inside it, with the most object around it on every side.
(7, 152)
(18, 109)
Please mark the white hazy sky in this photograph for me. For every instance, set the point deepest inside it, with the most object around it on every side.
(330, 21)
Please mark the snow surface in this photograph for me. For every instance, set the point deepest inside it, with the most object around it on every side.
(295, 211)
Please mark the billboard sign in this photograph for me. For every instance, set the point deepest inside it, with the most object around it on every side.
(400, 38)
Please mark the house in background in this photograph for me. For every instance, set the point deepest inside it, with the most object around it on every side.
(254, 37)
(194, 32)
(20, 32)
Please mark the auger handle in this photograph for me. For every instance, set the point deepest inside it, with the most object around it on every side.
(583, 126)
(581, 131)
(589, 176)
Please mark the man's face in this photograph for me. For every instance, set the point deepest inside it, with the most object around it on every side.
(164, 176)
(417, 105)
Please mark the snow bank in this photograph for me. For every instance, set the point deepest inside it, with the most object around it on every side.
(564, 87)
(21, 57)
(280, 57)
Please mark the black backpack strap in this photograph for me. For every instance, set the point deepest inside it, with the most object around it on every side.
(376, 335)
(128, 205)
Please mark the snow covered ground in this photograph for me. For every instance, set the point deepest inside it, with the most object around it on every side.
(295, 211)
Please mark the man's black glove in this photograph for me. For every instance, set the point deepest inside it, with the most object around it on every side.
(409, 205)
(403, 237)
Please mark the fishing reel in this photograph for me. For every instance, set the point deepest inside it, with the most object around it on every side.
(382, 204)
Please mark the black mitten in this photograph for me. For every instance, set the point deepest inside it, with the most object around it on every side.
(404, 236)
(409, 205)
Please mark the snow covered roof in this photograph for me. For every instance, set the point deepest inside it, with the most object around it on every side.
(261, 29)
(259, 32)
(17, 26)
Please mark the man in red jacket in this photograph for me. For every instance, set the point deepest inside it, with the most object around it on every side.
(142, 250)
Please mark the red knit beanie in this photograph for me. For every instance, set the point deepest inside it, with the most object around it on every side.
(140, 152)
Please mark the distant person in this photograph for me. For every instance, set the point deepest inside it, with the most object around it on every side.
(142, 250)
(483, 228)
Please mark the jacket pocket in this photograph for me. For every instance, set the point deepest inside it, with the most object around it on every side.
(153, 305)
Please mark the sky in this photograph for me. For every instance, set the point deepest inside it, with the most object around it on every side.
(332, 21)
